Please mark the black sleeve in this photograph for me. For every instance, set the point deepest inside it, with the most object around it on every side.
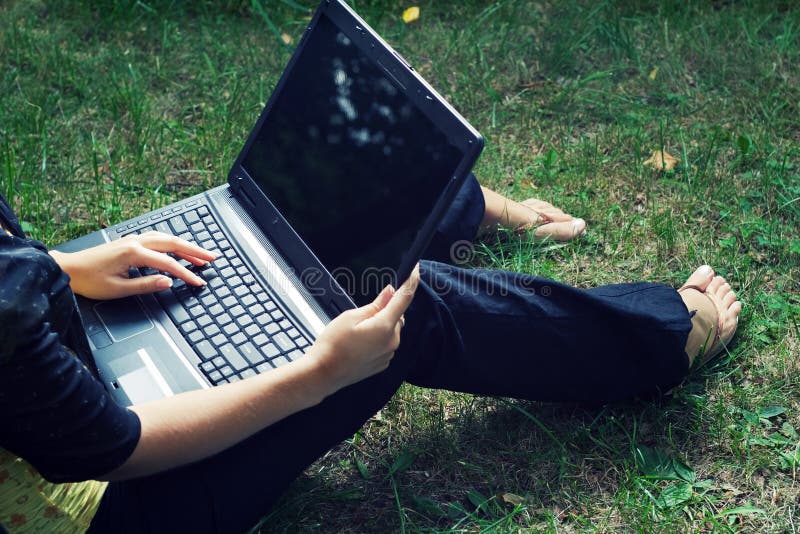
(53, 412)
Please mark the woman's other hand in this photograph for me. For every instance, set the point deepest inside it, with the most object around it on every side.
(101, 272)
(361, 342)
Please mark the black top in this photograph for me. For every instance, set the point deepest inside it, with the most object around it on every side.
(54, 412)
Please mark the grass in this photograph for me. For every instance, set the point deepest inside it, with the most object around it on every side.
(110, 108)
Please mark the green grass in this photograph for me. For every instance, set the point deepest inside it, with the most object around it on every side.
(110, 108)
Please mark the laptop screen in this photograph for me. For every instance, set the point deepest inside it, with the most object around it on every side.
(350, 161)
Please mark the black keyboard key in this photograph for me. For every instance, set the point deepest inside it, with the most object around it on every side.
(191, 217)
(283, 341)
(247, 373)
(234, 358)
(178, 285)
(177, 224)
(230, 329)
(189, 300)
(211, 330)
(250, 352)
(188, 327)
(172, 306)
(269, 350)
(272, 328)
(206, 350)
(252, 330)
(280, 360)
(195, 337)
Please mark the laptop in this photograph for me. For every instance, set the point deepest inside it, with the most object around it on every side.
(336, 193)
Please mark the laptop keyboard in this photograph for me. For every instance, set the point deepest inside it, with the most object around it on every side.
(235, 327)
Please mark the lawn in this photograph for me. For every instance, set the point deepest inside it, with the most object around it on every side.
(111, 108)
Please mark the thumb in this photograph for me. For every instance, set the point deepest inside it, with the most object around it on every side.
(144, 284)
(380, 302)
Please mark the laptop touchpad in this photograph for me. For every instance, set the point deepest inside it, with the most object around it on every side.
(123, 318)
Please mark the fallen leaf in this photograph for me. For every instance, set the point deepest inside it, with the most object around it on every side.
(411, 14)
(286, 38)
(661, 161)
(653, 73)
(510, 498)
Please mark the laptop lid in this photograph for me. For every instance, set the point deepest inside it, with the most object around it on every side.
(356, 154)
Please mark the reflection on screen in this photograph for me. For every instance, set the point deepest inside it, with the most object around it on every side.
(353, 165)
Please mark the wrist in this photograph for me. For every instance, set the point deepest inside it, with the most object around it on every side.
(64, 260)
(318, 370)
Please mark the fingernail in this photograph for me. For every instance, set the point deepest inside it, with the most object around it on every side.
(578, 224)
(705, 269)
(164, 282)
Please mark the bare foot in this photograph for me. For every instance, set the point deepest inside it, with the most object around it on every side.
(547, 221)
(716, 314)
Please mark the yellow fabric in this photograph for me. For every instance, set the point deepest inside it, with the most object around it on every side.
(28, 503)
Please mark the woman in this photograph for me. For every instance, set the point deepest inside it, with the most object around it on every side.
(216, 460)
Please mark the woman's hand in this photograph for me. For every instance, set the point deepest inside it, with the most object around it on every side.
(101, 272)
(361, 342)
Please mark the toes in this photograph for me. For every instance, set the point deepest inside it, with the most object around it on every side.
(561, 231)
(715, 284)
(701, 277)
(728, 299)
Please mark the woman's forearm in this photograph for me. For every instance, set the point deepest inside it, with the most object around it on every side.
(197, 424)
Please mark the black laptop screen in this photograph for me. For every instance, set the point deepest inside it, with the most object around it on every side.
(350, 161)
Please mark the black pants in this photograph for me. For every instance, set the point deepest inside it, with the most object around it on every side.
(476, 331)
